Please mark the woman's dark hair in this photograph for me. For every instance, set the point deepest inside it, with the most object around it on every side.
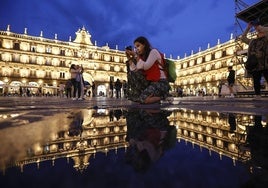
(147, 46)
(72, 66)
(129, 48)
(139, 160)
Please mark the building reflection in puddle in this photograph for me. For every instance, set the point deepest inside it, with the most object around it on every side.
(145, 136)
(74, 134)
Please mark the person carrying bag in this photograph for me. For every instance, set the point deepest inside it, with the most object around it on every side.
(257, 63)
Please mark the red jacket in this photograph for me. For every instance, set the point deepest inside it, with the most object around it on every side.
(153, 73)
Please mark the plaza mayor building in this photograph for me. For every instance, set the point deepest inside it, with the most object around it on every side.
(42, 64)
(204, 70)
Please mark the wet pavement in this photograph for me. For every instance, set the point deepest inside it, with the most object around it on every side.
(104, 142)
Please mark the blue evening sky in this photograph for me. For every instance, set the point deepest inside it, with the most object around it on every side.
(175, 27)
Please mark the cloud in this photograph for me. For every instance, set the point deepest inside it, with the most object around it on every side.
(176, 26)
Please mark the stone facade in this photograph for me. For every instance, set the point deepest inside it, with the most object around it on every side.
(42, 65)
(37, 62)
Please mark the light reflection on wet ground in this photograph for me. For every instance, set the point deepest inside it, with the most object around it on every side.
(104, 145)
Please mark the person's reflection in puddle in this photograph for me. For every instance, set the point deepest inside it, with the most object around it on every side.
(76, 128)
(232, 122)
(117, 114)
(149, 135)
(257, 144)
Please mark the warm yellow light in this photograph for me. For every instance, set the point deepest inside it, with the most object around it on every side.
(40, 82)
(23, 81)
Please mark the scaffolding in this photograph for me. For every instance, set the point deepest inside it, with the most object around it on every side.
(258, 11)
(244, 14)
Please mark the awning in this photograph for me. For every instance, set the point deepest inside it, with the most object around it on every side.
(258, 11)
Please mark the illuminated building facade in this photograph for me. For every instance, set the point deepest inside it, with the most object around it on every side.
(37, 62)
(42, 64)
(204, 70)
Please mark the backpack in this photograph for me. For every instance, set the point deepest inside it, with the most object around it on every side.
(169, 67)
(251, 63)
(256, 46)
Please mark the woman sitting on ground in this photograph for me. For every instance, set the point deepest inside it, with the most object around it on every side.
(149, 61)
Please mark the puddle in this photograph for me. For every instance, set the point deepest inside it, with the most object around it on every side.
(120, 147)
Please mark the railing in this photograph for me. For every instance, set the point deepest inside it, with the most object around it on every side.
(246, 88)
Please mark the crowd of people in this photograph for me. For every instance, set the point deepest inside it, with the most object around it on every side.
(118, 87)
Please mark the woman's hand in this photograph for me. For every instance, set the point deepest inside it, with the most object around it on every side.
(130, 54)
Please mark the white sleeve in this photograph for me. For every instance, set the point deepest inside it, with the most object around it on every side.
(153, 56)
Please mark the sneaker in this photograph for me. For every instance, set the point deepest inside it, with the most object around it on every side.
(80, 99)
(167, 100)
(170, 99)
(229, 96)
(232, 96)
(74, 99)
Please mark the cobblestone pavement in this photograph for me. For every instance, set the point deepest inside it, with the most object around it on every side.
(235, 105)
